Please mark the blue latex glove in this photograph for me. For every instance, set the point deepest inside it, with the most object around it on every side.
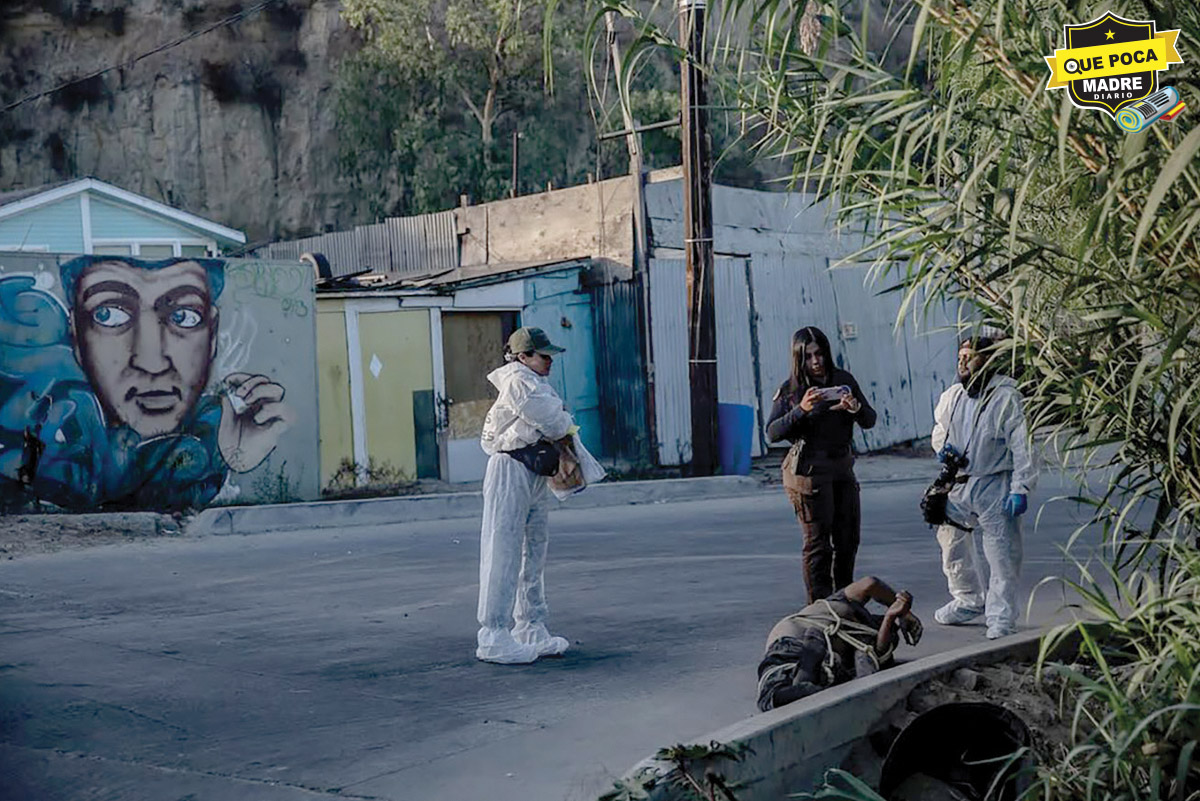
(947, 450)
(1015, 505)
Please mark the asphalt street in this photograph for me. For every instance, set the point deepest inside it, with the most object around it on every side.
(326, 663)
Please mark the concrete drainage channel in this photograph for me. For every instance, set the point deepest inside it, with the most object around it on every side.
(791, 748)
(453, 505)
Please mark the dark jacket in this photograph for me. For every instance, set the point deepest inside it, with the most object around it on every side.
(821, 429)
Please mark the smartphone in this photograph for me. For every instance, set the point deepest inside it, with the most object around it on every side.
(832, 393)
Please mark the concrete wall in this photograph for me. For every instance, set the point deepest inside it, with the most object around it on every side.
(590, 220)
(793, 746)
(156, 385)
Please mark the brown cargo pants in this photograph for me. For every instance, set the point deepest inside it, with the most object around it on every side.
(825, 497)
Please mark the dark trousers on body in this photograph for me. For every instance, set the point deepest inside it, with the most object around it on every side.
(825, 498)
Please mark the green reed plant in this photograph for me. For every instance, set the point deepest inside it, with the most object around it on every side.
(1134, 697)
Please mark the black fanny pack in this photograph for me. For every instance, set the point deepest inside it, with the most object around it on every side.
(541, 457)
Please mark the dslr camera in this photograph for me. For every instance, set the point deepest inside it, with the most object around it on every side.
(952, 462)
(935, 501)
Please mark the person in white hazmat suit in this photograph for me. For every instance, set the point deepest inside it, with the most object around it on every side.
(982, 418)
(512, 548)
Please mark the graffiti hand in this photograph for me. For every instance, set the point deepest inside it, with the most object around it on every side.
(253, 417)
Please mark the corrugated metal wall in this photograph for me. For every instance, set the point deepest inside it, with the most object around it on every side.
(879, 360)
(668, 327)
(737, 381)
(790, 291)
(790, 242)
(902, 376)
(419, 244)
(621, 371)
(559, 306)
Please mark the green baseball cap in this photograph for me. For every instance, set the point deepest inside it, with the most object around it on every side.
(524, 340)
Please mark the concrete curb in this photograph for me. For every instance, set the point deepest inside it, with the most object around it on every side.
(452, 505)
(793, 746)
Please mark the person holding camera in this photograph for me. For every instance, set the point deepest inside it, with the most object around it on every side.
(834, 640)
(815, 410)
(518, 435)
(982, 440)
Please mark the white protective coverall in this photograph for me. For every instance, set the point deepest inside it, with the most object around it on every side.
(512, 546)
(991, 431)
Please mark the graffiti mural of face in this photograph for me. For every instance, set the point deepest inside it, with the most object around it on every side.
(146, 340)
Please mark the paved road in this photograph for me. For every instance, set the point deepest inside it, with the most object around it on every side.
(307, 664)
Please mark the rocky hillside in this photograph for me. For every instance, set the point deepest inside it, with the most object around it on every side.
(237, 125)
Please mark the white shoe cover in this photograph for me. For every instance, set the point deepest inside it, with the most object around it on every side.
(498, 645)
(998, 630)
(953, 615)
(537, 635)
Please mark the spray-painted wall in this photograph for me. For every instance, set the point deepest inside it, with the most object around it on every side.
(156, 384)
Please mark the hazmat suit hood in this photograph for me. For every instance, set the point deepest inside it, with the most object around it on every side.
(527, 409)
(990, 429)
(501, 376)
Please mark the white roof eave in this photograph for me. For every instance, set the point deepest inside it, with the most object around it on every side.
(230, 235)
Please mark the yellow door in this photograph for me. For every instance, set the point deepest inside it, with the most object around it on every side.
(333, 388)
(397, 375)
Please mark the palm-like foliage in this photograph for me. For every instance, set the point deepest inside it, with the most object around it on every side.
(1136, 710)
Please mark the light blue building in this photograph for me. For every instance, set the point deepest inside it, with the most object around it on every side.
(90, 216)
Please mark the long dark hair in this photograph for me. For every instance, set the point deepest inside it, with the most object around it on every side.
(804, 337)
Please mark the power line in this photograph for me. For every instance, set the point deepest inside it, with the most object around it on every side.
(230, 20)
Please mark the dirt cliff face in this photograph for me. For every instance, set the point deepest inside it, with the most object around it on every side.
(236, 125)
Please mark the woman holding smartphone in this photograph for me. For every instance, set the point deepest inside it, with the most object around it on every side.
(815, 410)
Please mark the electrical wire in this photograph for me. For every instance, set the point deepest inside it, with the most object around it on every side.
(230, 20)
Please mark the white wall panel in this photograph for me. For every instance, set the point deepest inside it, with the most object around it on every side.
(735, 360)
(672, 399)
(736, 379)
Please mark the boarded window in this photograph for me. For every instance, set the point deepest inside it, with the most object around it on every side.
(473, 346)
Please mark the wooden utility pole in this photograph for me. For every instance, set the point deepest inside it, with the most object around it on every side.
(697, 240)
(516, 162)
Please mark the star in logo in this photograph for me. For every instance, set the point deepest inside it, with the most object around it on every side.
(1108, 34)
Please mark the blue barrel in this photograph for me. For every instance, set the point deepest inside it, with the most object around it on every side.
(735, 437)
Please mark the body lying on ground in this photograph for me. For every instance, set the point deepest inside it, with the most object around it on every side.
(834, 640)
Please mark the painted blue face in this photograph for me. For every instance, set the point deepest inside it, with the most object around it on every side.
(146, 339)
